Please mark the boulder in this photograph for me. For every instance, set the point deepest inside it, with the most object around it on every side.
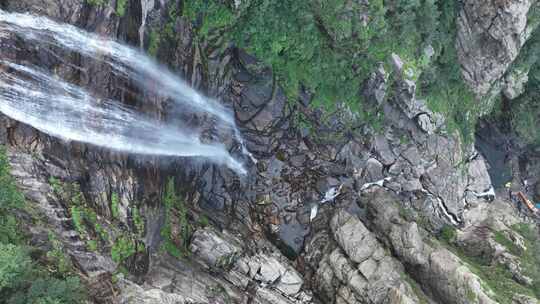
(214, 249)
(131, 293)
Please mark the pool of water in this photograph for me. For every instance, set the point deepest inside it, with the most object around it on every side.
(491, 143)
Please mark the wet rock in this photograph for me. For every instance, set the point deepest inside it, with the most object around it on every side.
(382, 148)
(67, 10)
(375, 87)
(373, 170)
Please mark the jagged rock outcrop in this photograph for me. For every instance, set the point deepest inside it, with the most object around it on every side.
(421, 160)
(367, 249)
(449, 279)
(490, 36)
(359, 270)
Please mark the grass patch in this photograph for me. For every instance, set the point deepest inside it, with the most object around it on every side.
(501, 238)
(530, 258)
(498, 281)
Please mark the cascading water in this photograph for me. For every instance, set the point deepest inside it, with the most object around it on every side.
(67, 111)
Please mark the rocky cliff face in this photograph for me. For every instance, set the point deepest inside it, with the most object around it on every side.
(398, 214)
(490, 36)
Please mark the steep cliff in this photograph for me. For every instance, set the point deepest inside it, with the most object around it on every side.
(366, 184)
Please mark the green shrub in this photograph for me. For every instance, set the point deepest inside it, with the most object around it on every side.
(138, 220)
(153, 45)
(58, 258)
(530, 259)
(11, 199)
(448, 234)
(175, 244)
(114, 205)
(77, 219)
(22, 281)
(497, 279)
(15, 265)
(123, 248)
(121, 7)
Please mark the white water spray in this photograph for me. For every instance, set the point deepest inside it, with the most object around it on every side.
(69, 112)
(127, 61)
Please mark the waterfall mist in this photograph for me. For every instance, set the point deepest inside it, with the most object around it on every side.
(65, 110)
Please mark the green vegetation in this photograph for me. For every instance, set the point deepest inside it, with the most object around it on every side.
(114, 205)
(225, 262)
(123, 248)
(28, 275)
(218, 293)
(498, 279)
(523, 113)
(121, 7)
(203, 221)
(58, 258)
(77, 219)
(448, 234)
(97, 2)
(530, 258)
(84, 218)
(138, 221)
(500, 238)
(471, 295)
(330, 49)
(525, 110)
(153, 46)
(11, 200)
(213, 15)
(422, 298)
(177, 230)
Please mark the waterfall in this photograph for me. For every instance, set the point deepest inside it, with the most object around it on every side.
(146, 7)
(64, 110)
